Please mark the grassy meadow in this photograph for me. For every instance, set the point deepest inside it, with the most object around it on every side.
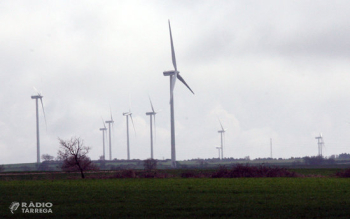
(301, 197)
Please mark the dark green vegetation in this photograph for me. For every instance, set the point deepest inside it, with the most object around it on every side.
(340, 161)
(118, 165)
(223, 171)
(182, 198)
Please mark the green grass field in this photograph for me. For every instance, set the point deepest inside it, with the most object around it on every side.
(320, 197)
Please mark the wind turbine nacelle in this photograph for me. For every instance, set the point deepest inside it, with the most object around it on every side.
(150, 113)
(126, 114)
(103, 129)
(168, 73)
(221, 131)
(36, 97)
(109, 121)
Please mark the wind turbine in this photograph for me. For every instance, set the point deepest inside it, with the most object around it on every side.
(127, 114)
(110, 138)
(320, 144)
(174, 74)
(152, 114)
(36, 97)
(219, 148)
(222, 133)
(103, 138)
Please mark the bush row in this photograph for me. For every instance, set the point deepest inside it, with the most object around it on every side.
(252, 171)
(222, 172)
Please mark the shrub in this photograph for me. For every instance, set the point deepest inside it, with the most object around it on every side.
(221, 172)
(188, 174)
(345, 173)
(150, 164)
(318, 160)
(150, 174)
(194, 174)
(252, 171)
(154, 174)
(125, 174)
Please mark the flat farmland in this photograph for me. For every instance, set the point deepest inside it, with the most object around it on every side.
(310, 197)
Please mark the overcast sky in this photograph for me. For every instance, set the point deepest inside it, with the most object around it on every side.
(267, 69)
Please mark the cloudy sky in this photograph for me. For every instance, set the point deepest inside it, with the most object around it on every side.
(267, 69)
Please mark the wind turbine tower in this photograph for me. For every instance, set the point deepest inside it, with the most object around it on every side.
(320, 144)
(222, 134)
(271, 148)
(110, 138)
(219, 148)
(36, 97)
(173, 75)
(127, 114)
(103, 139)
(152, 114)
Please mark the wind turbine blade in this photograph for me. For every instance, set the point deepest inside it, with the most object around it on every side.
(110, 109)
(132, 121)
(104, 125)
(184, 82)
(172, 48)
(222, 128)
(174, 62)
(129, 103)
(151, 103)
(42, 105)
(36, 91)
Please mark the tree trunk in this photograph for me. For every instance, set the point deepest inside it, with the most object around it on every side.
(82, 174)
(81, 169)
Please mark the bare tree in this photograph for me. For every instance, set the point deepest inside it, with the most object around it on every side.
(73, 153)
(47, 157)
(150, 164)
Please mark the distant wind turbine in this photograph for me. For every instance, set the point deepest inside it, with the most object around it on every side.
(152, 114)
(103, 138)
(219, 148)
(127, 114)
(110, 138)
(36, 97)
(174, 74)
(222, 133)
(320, 144)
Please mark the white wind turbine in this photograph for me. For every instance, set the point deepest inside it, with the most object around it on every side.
(219, 148)
(152, 114)
(222, 133)
(127, 114)
(103, 138)
(320, 144)
(174, 74)
(36, 97)
(110, 138)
